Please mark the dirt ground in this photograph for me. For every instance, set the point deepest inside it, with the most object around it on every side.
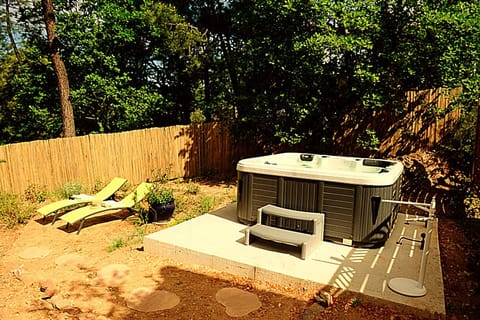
(49, 272)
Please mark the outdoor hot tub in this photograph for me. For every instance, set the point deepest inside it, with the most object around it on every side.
(348, 190)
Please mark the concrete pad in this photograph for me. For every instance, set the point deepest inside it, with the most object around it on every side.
(216, 241)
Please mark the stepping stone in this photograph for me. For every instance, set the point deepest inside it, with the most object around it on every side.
(238, 303)
(71, 259)
(149, 300)
(113, 275)
(34, 253)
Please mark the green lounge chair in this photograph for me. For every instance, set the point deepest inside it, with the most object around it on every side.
(128, 202)
(82, 199)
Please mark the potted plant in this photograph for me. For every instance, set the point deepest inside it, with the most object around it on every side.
(161, 203)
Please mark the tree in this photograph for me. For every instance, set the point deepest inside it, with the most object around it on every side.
(134, 64)
(300, 67)
(60, 70)
(9, 31)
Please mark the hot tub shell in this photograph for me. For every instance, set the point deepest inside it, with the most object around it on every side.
(347, 190)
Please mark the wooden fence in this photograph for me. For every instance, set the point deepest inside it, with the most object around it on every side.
(189, 151)
(177, 151)
(427, 120)
(423, 123)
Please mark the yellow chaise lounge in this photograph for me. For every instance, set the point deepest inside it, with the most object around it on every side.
(82, 199)
(128, 202)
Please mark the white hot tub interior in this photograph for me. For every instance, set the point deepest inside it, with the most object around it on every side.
(327, 163)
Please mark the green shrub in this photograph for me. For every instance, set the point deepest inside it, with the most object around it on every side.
(99, 185)
(472, 206)
(197, 117)
(206, 204)
(12, 211)
(192, 188)
(161, 176)
(368, 141)
(35, 194)
(71, 188)
(116, 244)
(159, 194)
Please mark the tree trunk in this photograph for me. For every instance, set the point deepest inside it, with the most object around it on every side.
(59, 67)
(9, 31)
(476, 155)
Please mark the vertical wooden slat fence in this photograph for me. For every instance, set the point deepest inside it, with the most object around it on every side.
(423, 125)
(424, 121)
(177, 151)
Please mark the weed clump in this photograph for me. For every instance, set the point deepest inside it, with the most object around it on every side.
(13, 211)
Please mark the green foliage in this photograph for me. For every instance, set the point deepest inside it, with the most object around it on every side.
(308, 64)
(161, 175)
(28, 107)
(189, 205)
(116, 244)
(35, 193)
(472, 206)
(70, 188)
(142, 216)
(130, 65)
(12, 211)
(159, 194)
(197, 117)
(457, 34)
(463, 138)
(192, 188)
(206, 203)
(368, 141)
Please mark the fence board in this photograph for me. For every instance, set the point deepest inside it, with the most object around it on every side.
(420, 127)
(176, 151)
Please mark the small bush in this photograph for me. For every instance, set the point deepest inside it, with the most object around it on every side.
(71, 188)
(192, 188)
(142, 217)
(99, 185)
(12, 211)
(472, 206)
(368, 141)
(161, 176)
(116, 244)
(206, 204)
(197, 117)
(35, 194)
(159, 194)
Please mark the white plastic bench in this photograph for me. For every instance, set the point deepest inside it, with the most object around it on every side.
(308, 241)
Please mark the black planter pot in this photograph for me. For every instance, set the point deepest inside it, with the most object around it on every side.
(161, 212)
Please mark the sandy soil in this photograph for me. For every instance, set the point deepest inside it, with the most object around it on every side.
(49, 272)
